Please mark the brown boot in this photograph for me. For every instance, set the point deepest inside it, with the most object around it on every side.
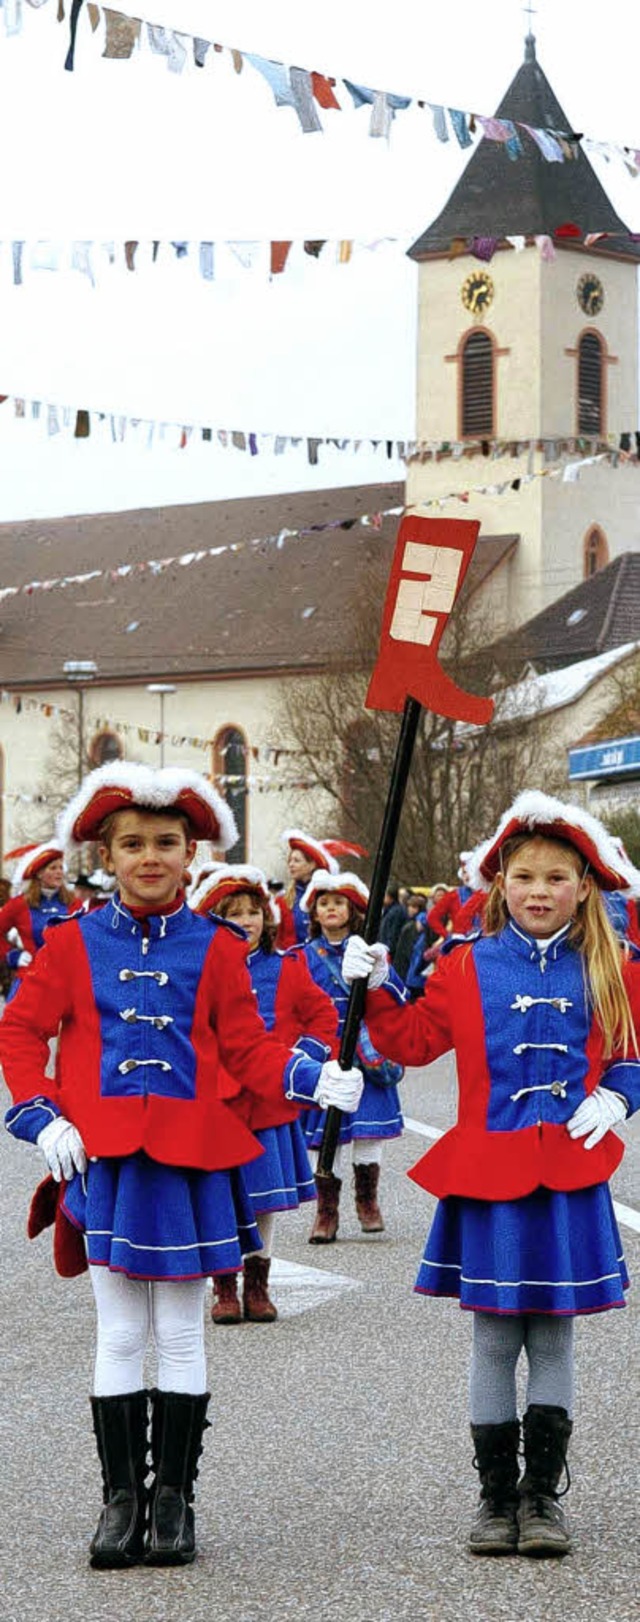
(325, 1227)
(258, 1306)
(226, 1308)
(369, 1214)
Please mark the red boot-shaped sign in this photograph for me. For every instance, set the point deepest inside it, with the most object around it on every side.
(430, 561)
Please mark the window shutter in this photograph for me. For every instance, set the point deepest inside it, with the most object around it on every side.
(590, 385)
(477, 385)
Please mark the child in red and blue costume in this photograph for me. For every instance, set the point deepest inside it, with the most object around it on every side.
(303, 1016)
(45, 900)
(542, 1012)
(149, 1002)
(336, 904)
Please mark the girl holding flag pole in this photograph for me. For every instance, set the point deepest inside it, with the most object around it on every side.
(542, 1012)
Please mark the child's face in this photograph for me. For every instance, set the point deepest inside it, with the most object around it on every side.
(299, 866)
(332, 913)
(52, 876)
(148, 855)
(543, 886)
(246, 911)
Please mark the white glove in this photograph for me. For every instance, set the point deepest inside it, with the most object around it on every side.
(362, 962)
(338, 1087)
(62, 1148)
(24, 959)
(596, 1115)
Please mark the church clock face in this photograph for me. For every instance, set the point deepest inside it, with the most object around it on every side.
(477, 292)
(590, 293)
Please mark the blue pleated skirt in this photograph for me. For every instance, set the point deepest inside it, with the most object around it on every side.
(549, 1252)
(160, 1222)
(281, 1179)
(378, 1116)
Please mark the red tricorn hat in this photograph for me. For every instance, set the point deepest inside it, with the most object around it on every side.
(235, 879)
(127, 786)
(347, 884)
(32, 859)
(314, 849)
(536, 813)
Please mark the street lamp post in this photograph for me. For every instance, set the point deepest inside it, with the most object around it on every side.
(161, 687)
(80, 671)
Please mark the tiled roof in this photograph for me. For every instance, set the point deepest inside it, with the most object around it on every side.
(498, 197)
(599, 614)
(263, 608)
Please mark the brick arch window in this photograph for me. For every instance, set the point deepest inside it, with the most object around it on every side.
(596, 551)
(476, 382)
(230, 755)
(591, 384)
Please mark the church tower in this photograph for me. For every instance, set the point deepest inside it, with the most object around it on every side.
(538, 342)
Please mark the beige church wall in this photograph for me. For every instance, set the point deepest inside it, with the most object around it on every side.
(196, 711)
(562, 322)
(604, 496)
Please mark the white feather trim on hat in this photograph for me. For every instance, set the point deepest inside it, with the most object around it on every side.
(31, 863)
(316, 850)
(347, 884)
(144, 788)
(536, 811)
(233, 878)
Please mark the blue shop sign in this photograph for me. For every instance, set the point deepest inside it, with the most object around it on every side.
(617, 757)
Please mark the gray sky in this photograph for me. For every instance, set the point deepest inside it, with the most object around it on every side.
(129, 150)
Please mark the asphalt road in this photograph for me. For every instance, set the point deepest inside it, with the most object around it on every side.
(336, 1484)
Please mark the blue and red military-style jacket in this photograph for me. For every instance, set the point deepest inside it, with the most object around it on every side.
(528, 1052)
(30, 923)
(302, 1016)
(146, 1012)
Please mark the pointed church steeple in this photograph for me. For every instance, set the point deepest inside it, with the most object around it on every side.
(527, 196)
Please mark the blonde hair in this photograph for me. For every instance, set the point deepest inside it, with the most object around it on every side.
(592, 935)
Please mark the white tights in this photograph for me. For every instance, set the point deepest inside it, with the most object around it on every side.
(129, 1312)
(364, 1152)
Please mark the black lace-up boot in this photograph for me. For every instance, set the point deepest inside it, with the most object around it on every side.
(495, 1528)
(543, 1525)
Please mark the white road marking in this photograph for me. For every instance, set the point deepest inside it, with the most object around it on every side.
(299, 1288)
(624, 1213)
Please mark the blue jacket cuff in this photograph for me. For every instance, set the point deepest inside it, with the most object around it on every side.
(301, 1077)
(28, 1119)
(623, 1077)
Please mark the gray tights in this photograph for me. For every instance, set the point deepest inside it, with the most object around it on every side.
(497, 1343)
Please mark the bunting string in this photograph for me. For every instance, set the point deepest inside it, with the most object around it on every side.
(83, 423)
(568, 471)
(308, 93)
(212, 261)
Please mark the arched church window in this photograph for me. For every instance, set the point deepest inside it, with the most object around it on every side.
(596, 551)
(477, 385)
(230, 755)
(590, 384)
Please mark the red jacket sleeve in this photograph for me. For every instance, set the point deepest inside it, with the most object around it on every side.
(443, 912)
(286, 934)
(310, 1010)
(414, 1033)
(15, 915)
(471, 913)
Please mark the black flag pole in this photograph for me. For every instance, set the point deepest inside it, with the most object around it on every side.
(379, 881)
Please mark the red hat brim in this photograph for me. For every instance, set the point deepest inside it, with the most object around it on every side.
(607, 877)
